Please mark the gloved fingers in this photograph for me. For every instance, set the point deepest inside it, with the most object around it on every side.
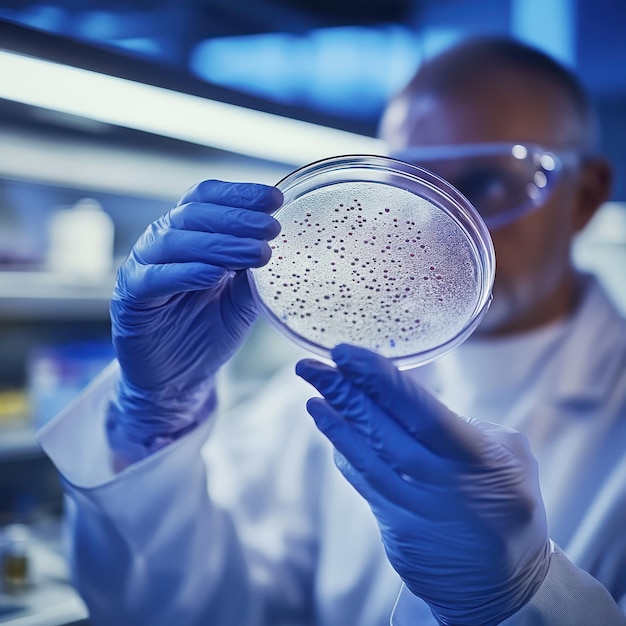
(372, 496)
(405, 518)
(377, 481)
(384, 435)
(145, 282)
(419, 413)
(158, 246)
(503, 440)
(213, 218)
(243, 195)
(239, 294)
(343, 397)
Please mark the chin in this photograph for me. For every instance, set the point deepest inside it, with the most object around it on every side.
(499, 318)
(487, 327)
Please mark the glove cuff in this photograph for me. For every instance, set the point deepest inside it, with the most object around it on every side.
(500, 604)
(138, 425)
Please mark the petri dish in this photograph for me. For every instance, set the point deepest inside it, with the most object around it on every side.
(377, 253)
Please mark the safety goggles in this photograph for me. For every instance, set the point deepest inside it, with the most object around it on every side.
(503, 181)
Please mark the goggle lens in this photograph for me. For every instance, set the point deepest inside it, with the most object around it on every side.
(503, 182)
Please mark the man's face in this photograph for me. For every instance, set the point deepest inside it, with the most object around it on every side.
(533, 252)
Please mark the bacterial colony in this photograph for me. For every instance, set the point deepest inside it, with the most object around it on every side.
(372, 265)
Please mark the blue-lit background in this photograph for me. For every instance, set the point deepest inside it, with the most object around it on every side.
(338, 62)
(341, 58)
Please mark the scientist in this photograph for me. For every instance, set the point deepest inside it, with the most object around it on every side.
(181, 515)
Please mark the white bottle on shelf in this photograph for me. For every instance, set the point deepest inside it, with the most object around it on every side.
(81, 240)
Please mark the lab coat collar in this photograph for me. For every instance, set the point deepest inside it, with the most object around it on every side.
(597, 330)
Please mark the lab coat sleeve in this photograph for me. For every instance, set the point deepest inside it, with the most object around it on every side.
(148, 546)
(568, 595)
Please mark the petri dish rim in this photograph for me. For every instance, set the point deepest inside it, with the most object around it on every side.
(414, 179)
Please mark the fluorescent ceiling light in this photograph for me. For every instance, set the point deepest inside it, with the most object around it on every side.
(173, 114)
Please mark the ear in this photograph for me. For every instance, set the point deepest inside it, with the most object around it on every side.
(594, 188)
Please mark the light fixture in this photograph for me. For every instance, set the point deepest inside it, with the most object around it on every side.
(519, 151)
(169, 113)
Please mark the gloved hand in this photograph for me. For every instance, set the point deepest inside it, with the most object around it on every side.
(457, 502)
(181, 307)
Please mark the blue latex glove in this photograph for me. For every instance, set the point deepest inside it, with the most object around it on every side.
(181, 307)
(457, 502)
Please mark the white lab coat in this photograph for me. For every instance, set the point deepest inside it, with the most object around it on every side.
(257, 527)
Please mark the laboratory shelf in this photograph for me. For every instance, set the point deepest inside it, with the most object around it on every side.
(18, 441)
(41, 295)
(48, 599)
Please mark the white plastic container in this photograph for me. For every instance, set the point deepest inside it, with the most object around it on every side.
(81, 240)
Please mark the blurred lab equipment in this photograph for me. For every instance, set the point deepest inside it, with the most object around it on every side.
(81, 240)
(57, 374)
(34, 583)
(14, 551)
